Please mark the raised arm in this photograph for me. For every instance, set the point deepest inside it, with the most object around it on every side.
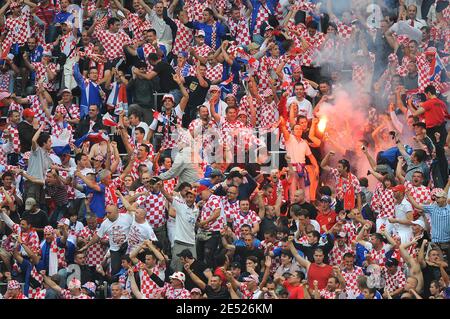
(200, 283)
(185, 98)
(300, 260)
(326, 159)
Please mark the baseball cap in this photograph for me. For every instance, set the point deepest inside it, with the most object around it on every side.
(179, 276)
(168, 96)
(154, 180)
(214, 88)
(48, 230)
(236, 265)
(419, 222)
(440, 193)
(64, 91)
(196, 291)
(28, 113)
(234, 174)
(185, 253)
(90, 287)
(201, 188)
(326, 199)
(399, 188)
(200, 33)
(29, 203)
(4, 95)
(215, 172)
(252, 278)
(74, 284)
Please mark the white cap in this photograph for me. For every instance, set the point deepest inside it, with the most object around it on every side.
(419, 222)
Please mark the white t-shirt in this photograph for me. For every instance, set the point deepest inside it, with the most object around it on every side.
(138, 233)
(304, 107)
(144, 126)
(185, 221)
(74, 231)
(83, 172)
(297, 150)
(221, 108)
(401, 210)
(117, 230)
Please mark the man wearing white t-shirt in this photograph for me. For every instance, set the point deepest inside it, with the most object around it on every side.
(297, 151)
(304, 107)
(116, 226)
(135, 118)
(403, 215)
(82, 165)
(186, 213)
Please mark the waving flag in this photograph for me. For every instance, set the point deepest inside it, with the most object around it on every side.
(436, 67)
(227, 81)
(158, 116)
(60, 143)
(94, 137)
(108, 120)
(117, 99)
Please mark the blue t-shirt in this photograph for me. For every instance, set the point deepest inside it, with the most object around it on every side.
(97, 204)
(377, 296)
(241, 243)
(361, 253)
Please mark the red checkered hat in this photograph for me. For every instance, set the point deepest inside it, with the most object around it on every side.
(61, 109)
(179, 275)
(437, 191)
(14, 5)
(266, 93)
(48, 229)
(403, 39)
(13, 284)
(74, 284)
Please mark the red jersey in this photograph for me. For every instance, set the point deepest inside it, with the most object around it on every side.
(435, 112)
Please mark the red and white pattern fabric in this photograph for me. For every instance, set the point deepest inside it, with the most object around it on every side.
(59, 127)
(14, 138)
(70, 190)
(18, 29)
(214, 73)
(195, 9)
(246, 293)
(68, 43)
(31, 238)
(116, 184)
(113, 43)
(35, 106)
(378, 256)
(96, 252)
(171, 293)
(137, 26)
(326, 294)
(201, 51)
(394, 282)
(383, 202)
(421, 194)
(65, 294)
(240, 31)
(261, 17)
(239, 219)
(267, 115)
(74, 111)
(337, 254)
(351, 278)
(351, 230)
(351, 181)
(148, 287)
(230, 131)
(229, 208)
(183, 38)
(207, 211)
(42, 75)
(154, 205)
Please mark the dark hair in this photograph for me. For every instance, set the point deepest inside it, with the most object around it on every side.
(27, 219)
(390, 178)
(300, 275)
(111, 21)
(304, 212)
(10, 113)
(231, 107)
(147, 148)
(246, 225)
(153, 57)
(299, 84)
(43, 138)
(283, 229)
(78, 157)
(126, 258)
(136, 113)
(271, 232)
(345, 164)
(151, 30)
(315, 234)
(430, 89)
(325, 190)
(295, 209)
(209, 10)
(319, 250)
(420, 155)
(349, 255)
(364, 182)
(7, 174)
(184, 185)
(378, 236)
(140, 130)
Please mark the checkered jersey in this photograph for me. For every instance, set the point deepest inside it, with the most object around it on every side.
(31, 238)
(246, 293)
(276, 261)
(65, 294)
(42, 75)
(261, 17)
(326, 294)
(229, 208)
(315, 42)
(421, 194)
(195, 9)
(183, 38)
(394, 282)
(155, 207)
(74, 111)
(116, 184)
(214, 73)
(267, 115)
(172, 293)
(14, 138)
(96, 252)
(240, 30)
(239, 218)
(230, 130)
(148, 287)
(201, 51)
(18, 29)
(351, 278)
(59, 127)
(70, 42)
(383, 202)
(344, 31)
(70, 190)
(336, 255)
(204, 134)
(351, 181)
(207, 211)
(379, 256)
(113, 43)
(351, 230)
(35, 293)
(35, 106)
(137, 26)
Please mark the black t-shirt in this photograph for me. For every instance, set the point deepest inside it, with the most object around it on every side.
(198, 268)
(221, 294)
(430, 273)
(266, 224)
(310, 208)
(38, 220)
(242, 253)
(165, 71)
(197, 93)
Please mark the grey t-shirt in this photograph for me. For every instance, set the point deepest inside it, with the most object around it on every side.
(39, 163)
(421, 167)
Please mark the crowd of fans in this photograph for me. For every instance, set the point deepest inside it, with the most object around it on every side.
(224, 149)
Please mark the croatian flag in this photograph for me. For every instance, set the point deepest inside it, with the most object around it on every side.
(227, 81)
(436, 67)
(108, 120)
(60, 144)
(117, 99)
(158, 116)
(94, 137)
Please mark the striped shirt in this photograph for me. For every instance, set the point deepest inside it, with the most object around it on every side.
(440, 222)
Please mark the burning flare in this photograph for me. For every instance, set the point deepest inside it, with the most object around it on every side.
(322, 125)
